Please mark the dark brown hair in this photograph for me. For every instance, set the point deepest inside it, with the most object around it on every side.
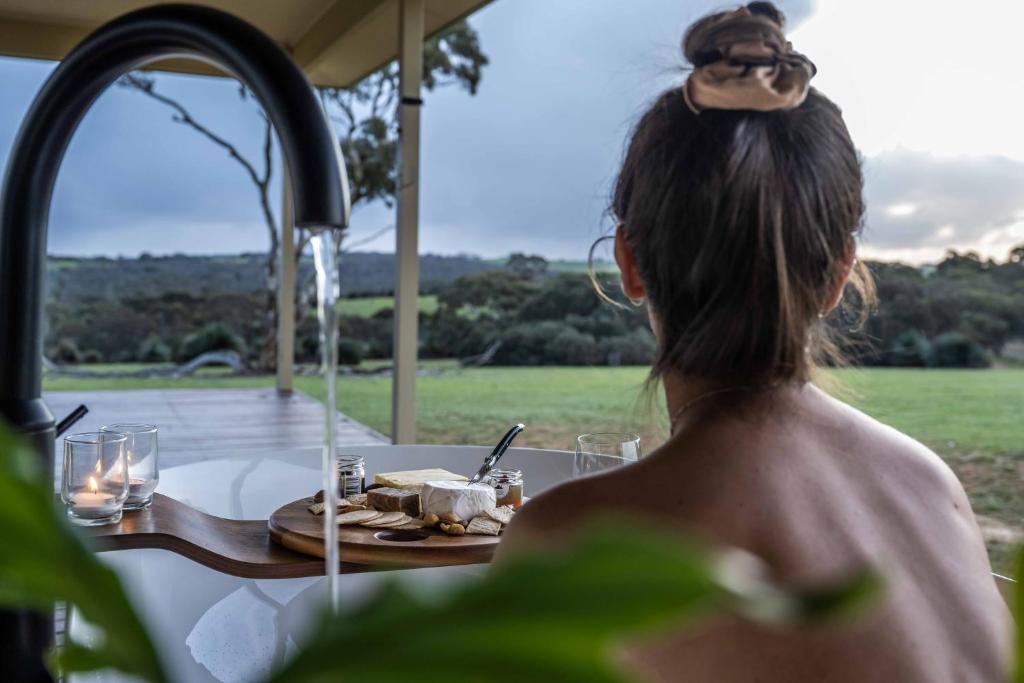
(740, 222)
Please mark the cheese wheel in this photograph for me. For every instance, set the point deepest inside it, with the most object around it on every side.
(462, 499)
(414, 479)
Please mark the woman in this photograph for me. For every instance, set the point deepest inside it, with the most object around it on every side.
(738, 204)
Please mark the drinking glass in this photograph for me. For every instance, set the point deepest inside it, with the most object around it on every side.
(93, 485)
(604, 451)
(141, 458)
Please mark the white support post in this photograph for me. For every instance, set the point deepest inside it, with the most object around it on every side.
(410, 60)
(286, 293)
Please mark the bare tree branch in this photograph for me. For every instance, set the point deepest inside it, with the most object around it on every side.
(261, 180)
(366, 240)
(184, 117)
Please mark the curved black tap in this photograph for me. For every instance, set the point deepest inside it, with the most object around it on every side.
(319, 184)
(129, 42)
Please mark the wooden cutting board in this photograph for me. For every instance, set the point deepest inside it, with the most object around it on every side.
(296, 528)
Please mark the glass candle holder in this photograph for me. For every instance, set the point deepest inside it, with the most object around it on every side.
(93, 486)
(141, 456)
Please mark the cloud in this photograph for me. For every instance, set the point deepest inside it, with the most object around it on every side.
(920, 204)
(937, 77)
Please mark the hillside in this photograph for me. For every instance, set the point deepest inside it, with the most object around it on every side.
(71, 280)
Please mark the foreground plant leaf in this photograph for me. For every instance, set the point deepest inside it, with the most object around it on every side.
(45, 560)
(550, 617)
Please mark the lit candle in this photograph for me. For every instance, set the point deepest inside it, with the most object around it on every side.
(91, 503)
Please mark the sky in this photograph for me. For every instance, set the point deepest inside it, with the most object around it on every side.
(931, 98)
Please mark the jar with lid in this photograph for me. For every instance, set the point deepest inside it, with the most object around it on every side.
(508, 487)
(351, 475)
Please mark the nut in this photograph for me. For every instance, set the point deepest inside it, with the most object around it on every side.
(430, 519)
(319, 497)
(450, 517)
(453, 529)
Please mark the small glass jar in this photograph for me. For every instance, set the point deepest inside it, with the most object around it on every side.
(351, 475)
(508, 487)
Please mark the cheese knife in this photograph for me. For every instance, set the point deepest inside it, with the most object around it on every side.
(491, 460)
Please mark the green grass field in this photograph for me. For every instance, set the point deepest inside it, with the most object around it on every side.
(367, 306)
(972, 418)
(962, 412)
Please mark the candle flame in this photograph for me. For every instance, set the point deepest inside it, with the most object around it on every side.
(93, 486)
(98, 468)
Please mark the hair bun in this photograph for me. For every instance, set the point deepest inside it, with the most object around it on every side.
(709, 39)
(767, 9)
(742, 60)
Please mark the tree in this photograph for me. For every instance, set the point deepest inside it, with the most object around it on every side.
(368, 115)
(527, 266)
(1017, 254)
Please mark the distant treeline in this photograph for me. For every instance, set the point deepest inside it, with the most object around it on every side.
(74, 280)
(961, 312)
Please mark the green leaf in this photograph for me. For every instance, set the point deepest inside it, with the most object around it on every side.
(552, 616)
(45, 560)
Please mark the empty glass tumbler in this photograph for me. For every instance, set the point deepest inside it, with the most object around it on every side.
(605, 451)
(93, 485)
(143, 470)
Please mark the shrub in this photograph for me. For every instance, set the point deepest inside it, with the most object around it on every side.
(449, 335)
(546, 343)
(375, 333)
(636, 348)
(910, 350)
(957, 350)
(307, 348)
(67, 351)
(92, 356)
(153, 350)
(526, 344)
(560, 296)
(572, 347)
(212, 337)
(350, 351)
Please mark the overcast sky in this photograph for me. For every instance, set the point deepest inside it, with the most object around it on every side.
(932, 100)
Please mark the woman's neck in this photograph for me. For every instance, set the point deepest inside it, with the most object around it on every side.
(688, 397)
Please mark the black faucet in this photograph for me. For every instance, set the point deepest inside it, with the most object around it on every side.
(318, 181)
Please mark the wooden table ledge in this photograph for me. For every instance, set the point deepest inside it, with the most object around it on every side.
(237, 547)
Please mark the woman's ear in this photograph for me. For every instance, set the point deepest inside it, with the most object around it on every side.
(839, 280)
(632, 285)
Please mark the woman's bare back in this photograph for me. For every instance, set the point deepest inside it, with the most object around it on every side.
(818, 490)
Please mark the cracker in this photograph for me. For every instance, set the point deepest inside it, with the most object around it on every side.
(385, 518)
(358, 516)
(482, 526)
(392, 525)
(319, 506)
(413, 523)
(357, 499)
(502, 515)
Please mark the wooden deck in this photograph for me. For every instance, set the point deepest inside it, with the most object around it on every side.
(199, 424)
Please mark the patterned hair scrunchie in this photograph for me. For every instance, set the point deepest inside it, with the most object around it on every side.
(742, 60)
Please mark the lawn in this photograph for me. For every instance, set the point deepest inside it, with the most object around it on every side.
(973, 418)
(957, 412)
(367, 306)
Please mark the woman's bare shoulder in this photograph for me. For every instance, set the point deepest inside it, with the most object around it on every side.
(898, 453)
(546, 519)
